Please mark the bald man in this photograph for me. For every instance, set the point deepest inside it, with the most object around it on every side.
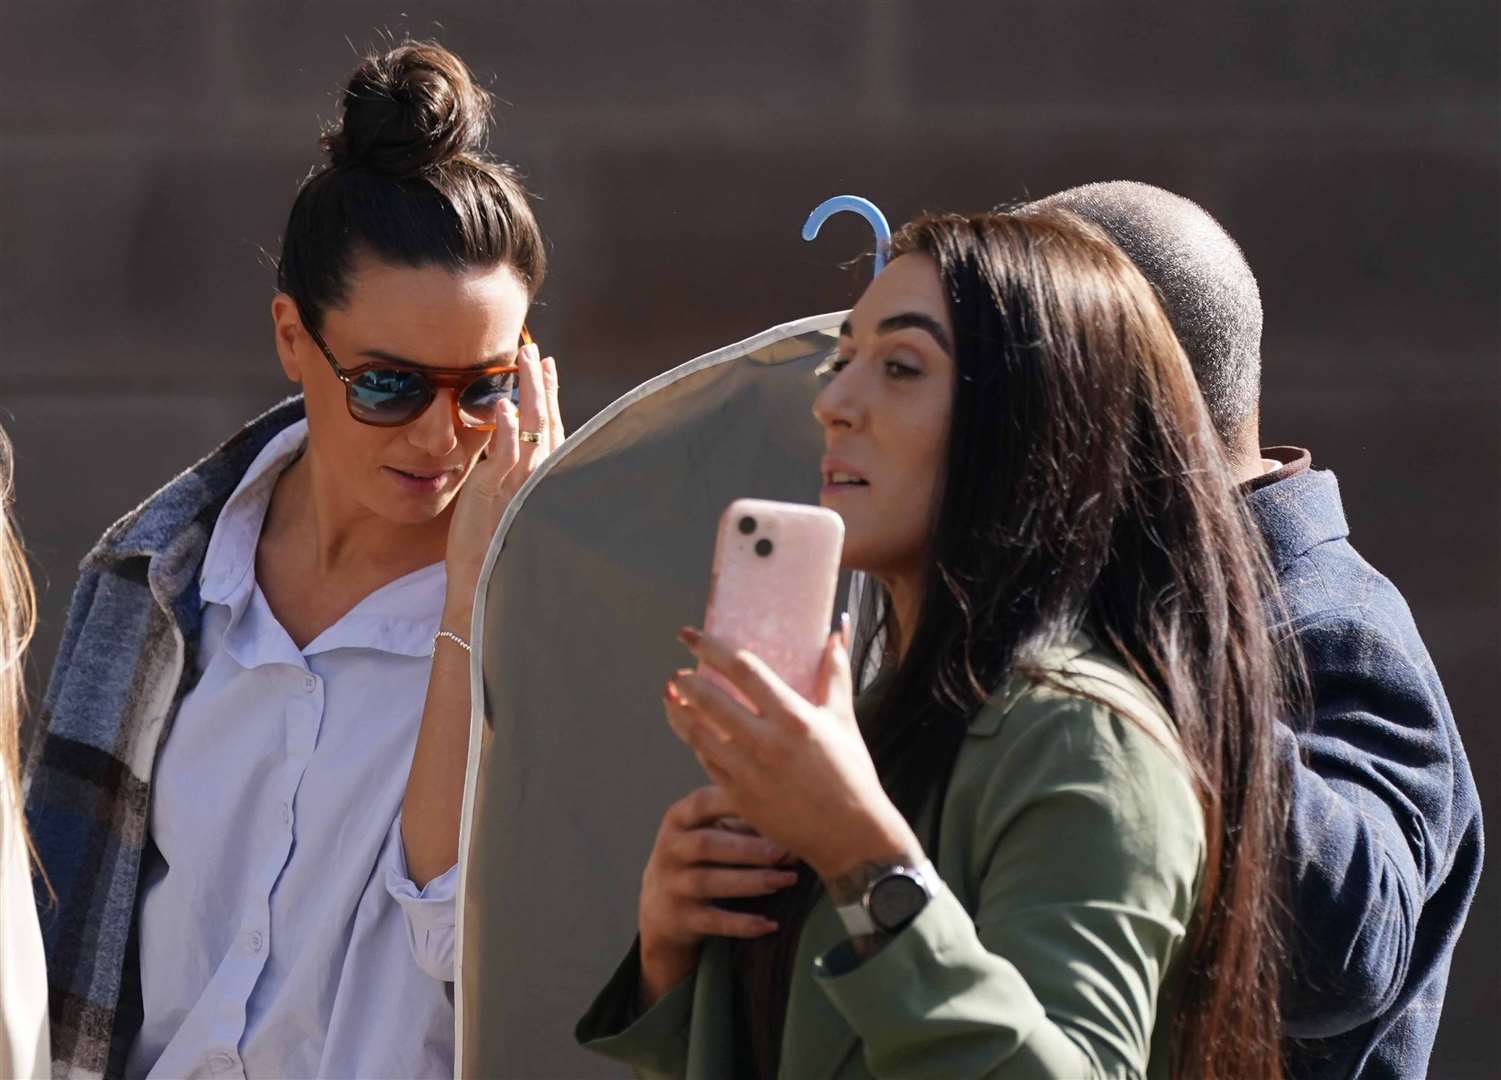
(1384, 827)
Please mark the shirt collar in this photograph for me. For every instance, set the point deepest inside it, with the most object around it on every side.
(1291, 461)
(229, 563)
(400, 617)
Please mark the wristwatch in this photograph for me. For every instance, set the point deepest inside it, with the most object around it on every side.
(895, 896)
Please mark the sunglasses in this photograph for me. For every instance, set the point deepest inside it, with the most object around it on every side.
(388, 393)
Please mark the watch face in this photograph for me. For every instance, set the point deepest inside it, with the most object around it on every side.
(895, 901)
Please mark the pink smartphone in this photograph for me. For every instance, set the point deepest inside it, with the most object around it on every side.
(776, 569)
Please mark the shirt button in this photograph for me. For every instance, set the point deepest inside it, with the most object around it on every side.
(286, 814)
(222, 1062)
(257, 939)
(309, 684)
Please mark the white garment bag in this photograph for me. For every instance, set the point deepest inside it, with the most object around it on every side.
(600, 559)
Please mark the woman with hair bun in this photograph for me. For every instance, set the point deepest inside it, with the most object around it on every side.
(248, 786)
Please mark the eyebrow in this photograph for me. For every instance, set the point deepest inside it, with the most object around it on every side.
(908, 320)
(392, 358)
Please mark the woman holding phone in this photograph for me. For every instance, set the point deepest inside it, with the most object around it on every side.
(1044, 844)
(249, 787)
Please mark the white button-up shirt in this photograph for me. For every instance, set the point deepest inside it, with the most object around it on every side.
(279, 932)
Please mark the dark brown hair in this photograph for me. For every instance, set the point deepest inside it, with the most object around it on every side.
(407, 181)
(1085, 489)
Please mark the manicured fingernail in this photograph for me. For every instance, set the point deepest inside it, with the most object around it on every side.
(689, 636)
(532, 351)
(844, 628)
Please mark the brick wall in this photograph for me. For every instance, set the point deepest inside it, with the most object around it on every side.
(148, 154)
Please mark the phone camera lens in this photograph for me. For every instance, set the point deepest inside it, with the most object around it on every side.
(763, 548)
(747, 525)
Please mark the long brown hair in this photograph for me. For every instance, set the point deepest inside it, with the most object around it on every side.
(17, 621)
(1086, 489)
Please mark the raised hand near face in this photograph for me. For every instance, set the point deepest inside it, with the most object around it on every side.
(522, 439)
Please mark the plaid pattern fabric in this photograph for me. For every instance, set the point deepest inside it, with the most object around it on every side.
(125, 661)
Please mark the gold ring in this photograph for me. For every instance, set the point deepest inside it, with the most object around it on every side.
(531, 436)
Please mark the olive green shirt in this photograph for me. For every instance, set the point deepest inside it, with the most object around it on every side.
(1071, 852)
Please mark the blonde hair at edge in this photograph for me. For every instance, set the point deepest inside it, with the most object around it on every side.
(17, 620)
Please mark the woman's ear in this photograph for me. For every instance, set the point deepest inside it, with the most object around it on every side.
(288, 326)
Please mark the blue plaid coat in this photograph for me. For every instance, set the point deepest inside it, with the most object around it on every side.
(125, 662)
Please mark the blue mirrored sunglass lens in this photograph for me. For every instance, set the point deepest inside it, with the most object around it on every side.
(482, 397)
(385, 395)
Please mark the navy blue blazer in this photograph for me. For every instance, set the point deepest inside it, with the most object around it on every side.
(1385, 820)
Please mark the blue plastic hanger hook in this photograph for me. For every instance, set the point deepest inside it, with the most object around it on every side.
(855, 205)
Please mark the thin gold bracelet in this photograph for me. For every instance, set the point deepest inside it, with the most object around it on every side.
(451, 636)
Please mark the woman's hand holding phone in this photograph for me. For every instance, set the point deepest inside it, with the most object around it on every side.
(797, 771)
(699, 858)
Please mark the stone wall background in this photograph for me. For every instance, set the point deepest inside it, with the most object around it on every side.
(148, 156)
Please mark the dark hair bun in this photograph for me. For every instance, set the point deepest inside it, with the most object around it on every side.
(408, 111)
